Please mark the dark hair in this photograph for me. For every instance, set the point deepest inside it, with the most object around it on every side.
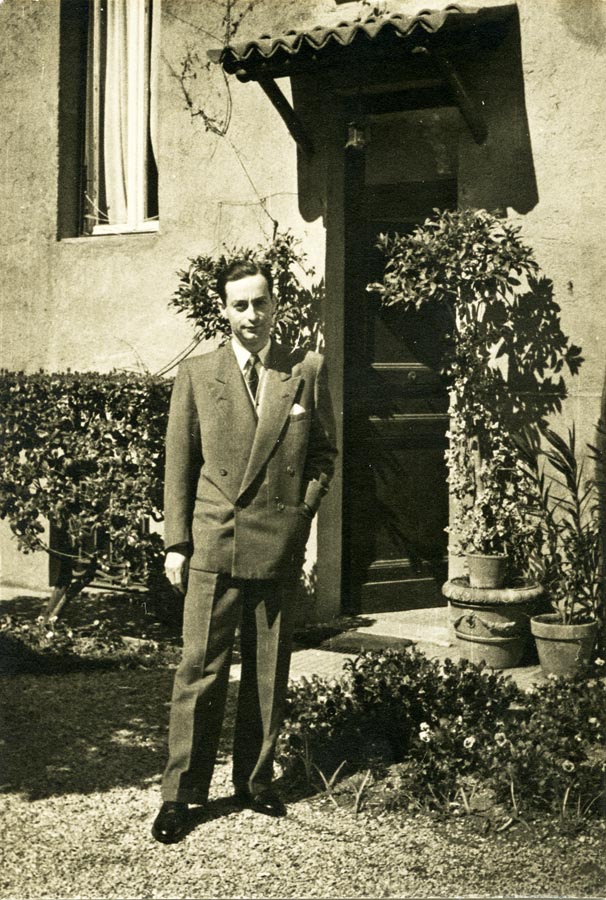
(242, 268)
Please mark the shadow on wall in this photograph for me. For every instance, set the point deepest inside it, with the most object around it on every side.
(494, 175)
(586, 21)
(499, 173)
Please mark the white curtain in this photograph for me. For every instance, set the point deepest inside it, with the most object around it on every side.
(130, 105)
(117, 137)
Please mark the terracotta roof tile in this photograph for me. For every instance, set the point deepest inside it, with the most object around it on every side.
(292, 43)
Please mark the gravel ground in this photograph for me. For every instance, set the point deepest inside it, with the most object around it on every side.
(80, 759)
(80, 767)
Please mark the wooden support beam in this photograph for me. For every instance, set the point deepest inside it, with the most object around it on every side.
(287, 113)
(470, 110)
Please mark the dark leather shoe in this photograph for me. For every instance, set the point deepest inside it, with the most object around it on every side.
(267, 802)
(171, 822)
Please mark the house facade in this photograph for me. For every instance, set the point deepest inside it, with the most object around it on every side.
(141, 133)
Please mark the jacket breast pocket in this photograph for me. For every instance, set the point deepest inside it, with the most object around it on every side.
(296, 419)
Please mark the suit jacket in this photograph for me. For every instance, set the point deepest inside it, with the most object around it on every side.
(237, 489)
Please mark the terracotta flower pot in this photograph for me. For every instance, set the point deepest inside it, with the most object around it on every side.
(563, 649)
(486, 570)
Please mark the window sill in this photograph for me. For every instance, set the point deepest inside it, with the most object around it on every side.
(112, 233)
(144, 228)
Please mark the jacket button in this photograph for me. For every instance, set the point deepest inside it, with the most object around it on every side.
(222, 471)
(290, 471)
(281, 507)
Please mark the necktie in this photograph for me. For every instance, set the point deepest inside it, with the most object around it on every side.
(252, 375)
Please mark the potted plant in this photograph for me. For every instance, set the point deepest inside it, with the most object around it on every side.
(493, 523)
(504, 355)
(573, 563)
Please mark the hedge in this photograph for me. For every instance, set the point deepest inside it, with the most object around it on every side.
(86, 452)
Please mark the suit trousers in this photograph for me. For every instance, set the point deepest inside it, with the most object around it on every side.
(214, 605)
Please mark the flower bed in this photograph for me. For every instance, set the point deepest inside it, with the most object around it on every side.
(447, 731)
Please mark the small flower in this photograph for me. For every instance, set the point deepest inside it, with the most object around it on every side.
(469, 742)
(500, 739)
(568, 766)
(599, 661)
(50, 634)
(592, 720)
(425, 733)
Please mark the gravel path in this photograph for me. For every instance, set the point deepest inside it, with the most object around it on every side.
(79, 774)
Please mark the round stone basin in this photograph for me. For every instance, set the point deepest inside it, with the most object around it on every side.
(459, 590)
(492, 624)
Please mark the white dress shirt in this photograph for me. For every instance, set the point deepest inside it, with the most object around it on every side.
(242, 356)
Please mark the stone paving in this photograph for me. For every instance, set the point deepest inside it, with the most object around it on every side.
(428, 629)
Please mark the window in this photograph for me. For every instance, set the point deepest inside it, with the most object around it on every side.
(108, 176)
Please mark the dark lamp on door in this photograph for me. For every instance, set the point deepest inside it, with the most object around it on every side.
(357, 137)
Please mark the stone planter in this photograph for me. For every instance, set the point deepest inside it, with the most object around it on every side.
(563, 649)
(492, 625)
(486, 570)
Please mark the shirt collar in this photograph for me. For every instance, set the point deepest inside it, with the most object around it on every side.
(243, 355)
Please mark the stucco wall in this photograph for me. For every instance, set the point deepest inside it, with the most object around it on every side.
(101, 303)
(564, 52)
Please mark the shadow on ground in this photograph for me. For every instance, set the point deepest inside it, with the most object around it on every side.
(92, 720)
(83, 732)
(79, 724)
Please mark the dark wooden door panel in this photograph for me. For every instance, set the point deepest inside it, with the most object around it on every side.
(396, 412)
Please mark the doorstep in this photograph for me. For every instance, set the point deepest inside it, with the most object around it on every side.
(429, 630)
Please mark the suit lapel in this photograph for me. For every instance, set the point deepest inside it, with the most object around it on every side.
(279, 394)
(235, 412)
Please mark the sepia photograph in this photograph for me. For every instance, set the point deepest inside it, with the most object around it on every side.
(302, 449)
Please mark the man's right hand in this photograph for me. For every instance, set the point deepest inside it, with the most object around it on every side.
(176, 567)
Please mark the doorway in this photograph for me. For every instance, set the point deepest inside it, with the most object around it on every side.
(395, 500)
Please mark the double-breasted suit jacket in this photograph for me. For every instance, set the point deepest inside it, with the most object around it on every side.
(240, 490)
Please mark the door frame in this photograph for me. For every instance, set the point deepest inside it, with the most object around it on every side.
(341, 241)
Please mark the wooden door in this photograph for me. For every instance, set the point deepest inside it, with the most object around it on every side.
(396, 403)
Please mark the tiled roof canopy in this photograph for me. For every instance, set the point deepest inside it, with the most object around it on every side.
(297, 50)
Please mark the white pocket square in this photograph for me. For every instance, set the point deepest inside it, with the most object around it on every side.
(297, 410)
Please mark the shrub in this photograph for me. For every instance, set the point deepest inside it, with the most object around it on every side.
(385, 700)
(86, 452)
(554, 757)
(452, 729)
(298, 307)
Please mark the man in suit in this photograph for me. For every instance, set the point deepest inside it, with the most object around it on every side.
(249, 455)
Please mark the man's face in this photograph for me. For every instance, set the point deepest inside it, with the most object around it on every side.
(249, 308)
